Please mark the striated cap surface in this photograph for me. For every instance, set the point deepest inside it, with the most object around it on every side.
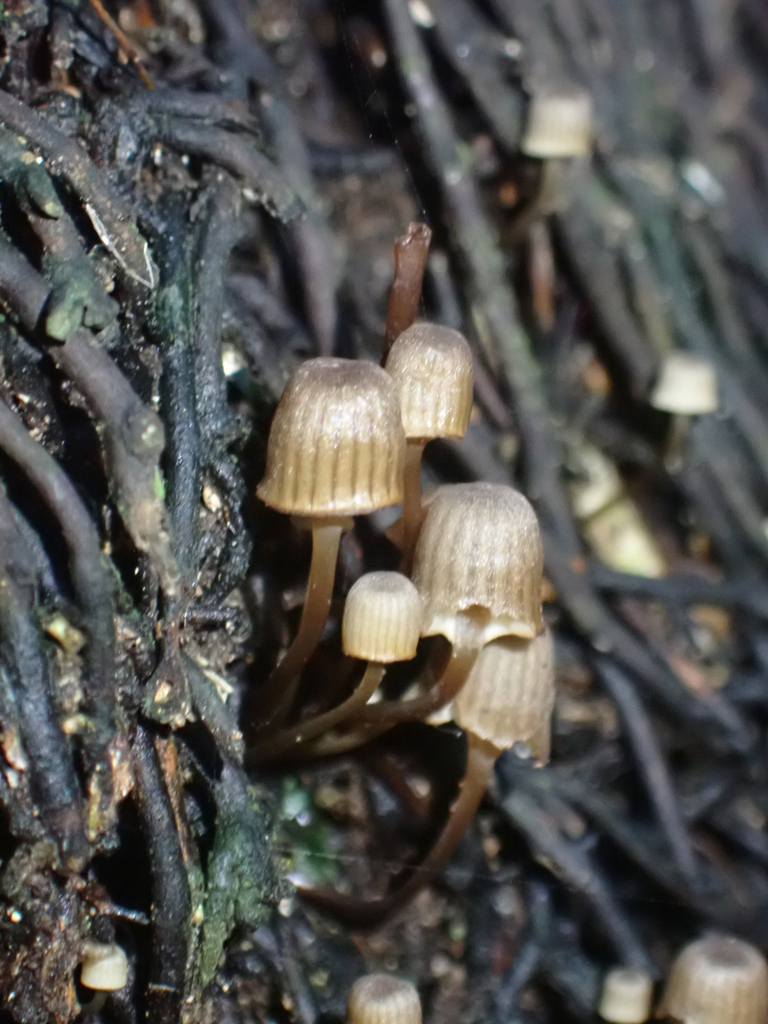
(382, 618)
(626, 996)
(480, 549)
(509, 694)
(382, 999)
(432, 367)
(717, 980)
(105, 967)
(559, 125)
(336, 445)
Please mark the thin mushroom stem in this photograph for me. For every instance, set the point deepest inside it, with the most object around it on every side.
(280, 689)
(481, 757)
(677, 440)
(379, 718)
(411, 501)
(291, 740)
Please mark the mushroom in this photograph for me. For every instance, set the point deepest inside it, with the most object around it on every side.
(383, 999)
(558, 128)
(686, 386)
(478, 567)
(336, 449)
(381, 625)
(432, 367)
(626, 996)
(717, 980)
(104, 967)
(558, 125)
(507, 699)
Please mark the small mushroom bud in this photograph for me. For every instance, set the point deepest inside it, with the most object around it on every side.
(686, 386)
(432, 368)
(382, 618)
(382, 999)
(559, 125)
(626, 996)
(104, 967)
(336, 449)
(510, 693)
(382, 624)
(717, 980)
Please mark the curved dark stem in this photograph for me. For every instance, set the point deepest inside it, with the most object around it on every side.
(134, 439)
(54, 783)
(171, 902)
(290, 741)
(280, 689)
(379, 718)
(88, 571)
(643, 741)
(411, 502)
(132, 432)
(480, 761)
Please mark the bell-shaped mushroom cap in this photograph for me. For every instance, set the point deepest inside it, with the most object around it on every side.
(382, 618)
(382, 999)
(559, 125)
(336, 445)
(687, 384)
(717, 980)
(509, 694)
(105, 967)
(626, 996)
(432, 367)
(479, 550)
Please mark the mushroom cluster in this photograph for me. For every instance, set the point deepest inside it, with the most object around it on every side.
(347, 438)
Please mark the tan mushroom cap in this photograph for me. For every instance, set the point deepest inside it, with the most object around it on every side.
(510, 693)
(687, 385)
(105, 967)
(626, 996)
(717, 980)
(336, 445)
(559, 125)
(382, 999)
(432, 367)
(382, 618)
(479, 551)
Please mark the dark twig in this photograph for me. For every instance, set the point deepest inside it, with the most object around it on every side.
(171, 904)
(411, 251)
(110, 219)
(642, 739)
(88, 571)
(54, 784)
(574, 867)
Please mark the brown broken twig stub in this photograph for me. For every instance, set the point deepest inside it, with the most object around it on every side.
(411, 251)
